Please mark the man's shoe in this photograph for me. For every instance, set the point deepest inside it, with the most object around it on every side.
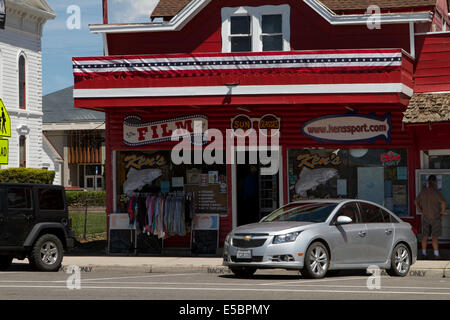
(437, 257)
(422, 256)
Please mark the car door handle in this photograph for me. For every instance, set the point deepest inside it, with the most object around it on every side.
(362, 233)
(388, 231)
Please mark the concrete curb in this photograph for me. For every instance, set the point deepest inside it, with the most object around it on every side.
(219, 269)
(432, 269)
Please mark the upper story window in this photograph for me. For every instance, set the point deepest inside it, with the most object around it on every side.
(256, 29)
(240, 35)
(22, 82)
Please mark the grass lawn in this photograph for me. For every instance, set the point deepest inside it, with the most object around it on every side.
(96, 223)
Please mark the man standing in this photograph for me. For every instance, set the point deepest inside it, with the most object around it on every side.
(431, 204)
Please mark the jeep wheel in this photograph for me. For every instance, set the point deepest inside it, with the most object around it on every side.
(5, 262)
(47, 253)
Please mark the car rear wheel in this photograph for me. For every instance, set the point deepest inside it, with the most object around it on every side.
(317, 261)
(47, 253)
(243, 272)
(5, 262)
(400, 261)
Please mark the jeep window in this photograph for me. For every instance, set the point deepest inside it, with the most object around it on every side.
(50, 199)
(19, 198)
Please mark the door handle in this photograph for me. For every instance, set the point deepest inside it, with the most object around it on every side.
(388, 231)
(362, 233)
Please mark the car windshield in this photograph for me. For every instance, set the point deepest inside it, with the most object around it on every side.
(302, 212)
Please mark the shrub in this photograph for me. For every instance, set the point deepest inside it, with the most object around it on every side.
(27, 175)
(79, 198)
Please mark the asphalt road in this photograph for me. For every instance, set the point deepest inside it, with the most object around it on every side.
(23, 284)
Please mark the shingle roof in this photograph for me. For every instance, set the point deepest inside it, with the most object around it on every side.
(57, 107)
(169, 8)
(425, 108)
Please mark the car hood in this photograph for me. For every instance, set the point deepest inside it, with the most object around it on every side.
(270, 227)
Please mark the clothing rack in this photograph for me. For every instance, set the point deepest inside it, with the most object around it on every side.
(185, 196)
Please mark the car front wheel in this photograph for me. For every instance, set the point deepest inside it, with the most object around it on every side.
(47, 253)
(317, 261)
(400, 261)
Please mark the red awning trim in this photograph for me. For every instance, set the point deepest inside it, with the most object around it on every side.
(207, 64)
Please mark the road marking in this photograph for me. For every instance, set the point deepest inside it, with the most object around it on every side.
(150, 276)
(238, 289)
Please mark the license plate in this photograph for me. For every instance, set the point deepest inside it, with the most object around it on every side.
(244, 254)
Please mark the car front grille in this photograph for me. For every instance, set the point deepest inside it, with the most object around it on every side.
(253, 243)
(253, 259)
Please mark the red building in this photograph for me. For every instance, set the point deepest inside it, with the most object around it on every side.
(333, 77)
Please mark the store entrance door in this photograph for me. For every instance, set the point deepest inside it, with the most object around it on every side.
(257, 195)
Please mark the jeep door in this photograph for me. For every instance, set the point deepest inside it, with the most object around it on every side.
(21, 215)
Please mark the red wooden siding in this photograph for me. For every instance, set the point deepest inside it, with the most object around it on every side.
(308, 31)
(432, 70)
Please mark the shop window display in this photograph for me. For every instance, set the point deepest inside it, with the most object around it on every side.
(378, 175)
(161, 198)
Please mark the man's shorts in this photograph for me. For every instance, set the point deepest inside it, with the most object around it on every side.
(432, 227)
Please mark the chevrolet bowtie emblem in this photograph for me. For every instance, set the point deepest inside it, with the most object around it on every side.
(247, 238)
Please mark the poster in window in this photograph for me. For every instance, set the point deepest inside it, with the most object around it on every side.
(371, 184)
(399, 193)
(402, 173)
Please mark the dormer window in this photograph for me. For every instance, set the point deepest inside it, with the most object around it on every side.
(256, 29)
(240, 35)
(272, 32)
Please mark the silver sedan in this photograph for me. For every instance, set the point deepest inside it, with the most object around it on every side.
(319, 236)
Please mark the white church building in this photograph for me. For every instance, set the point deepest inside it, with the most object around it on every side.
(21, 82)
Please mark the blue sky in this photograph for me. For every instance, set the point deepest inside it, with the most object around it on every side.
(60, 44)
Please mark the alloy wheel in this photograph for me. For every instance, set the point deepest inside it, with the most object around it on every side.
(49, 252)
(318, 260)
(401, 259)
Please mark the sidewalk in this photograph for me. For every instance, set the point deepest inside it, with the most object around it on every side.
(422, 268)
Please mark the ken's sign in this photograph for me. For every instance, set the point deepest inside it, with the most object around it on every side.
(349, 128)
(136, 133)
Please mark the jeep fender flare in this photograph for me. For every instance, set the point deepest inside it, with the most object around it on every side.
(37, 229)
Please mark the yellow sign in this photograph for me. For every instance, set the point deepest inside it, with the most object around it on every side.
(4, 150)
(5, 121)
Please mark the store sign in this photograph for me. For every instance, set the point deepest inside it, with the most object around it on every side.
(349, 128)
(390, 158)
(268, 123)
(136, 133)
(313, 161)
(142, 161)
(2, 14)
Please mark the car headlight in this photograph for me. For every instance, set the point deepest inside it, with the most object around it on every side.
(288, 237)
(228, 239)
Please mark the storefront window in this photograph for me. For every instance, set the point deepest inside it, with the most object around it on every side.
(207, 183)
(377, 175)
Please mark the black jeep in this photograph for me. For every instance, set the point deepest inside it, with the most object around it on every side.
(34, 224)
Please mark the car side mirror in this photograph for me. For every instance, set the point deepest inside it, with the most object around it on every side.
(343, 220)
